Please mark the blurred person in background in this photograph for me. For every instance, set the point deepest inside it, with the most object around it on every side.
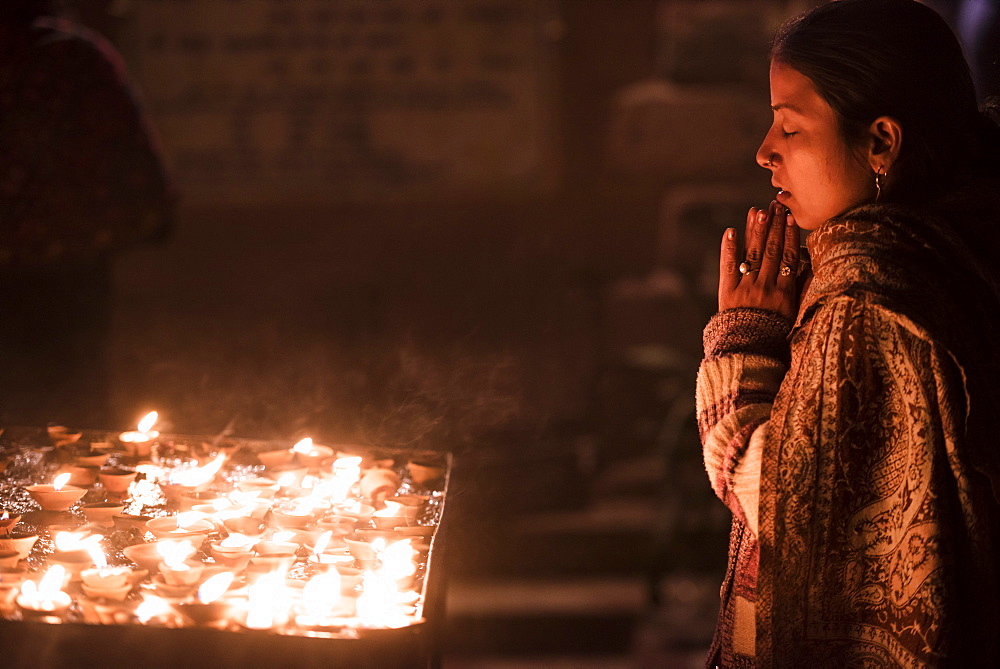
(849, 412)
(81, 180)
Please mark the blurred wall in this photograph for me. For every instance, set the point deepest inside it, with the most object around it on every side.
(426, 221)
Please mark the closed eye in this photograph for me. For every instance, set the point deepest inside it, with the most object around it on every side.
(789, 134)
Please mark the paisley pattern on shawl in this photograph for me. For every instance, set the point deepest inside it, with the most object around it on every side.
(878, 522)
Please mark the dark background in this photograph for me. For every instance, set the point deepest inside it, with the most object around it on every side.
(546, 331)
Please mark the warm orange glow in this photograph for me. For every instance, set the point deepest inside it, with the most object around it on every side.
(215, 587)
(322, 542)
(174, 553)
(148, 421)
(60, 481)
(198, 476)
(304, 446)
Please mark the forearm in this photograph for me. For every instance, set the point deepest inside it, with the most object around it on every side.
(745, 361)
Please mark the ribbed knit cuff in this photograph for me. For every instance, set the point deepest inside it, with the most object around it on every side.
(748, 330)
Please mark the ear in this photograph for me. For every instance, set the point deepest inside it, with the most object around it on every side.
(885, 140)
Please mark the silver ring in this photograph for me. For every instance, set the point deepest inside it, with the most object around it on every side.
(785, 270)
(746, 268)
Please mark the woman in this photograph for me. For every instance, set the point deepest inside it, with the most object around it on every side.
(850, 415)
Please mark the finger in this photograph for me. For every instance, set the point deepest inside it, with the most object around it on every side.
(756, 234)
(788, 273)
(774, 243)
(729, 274)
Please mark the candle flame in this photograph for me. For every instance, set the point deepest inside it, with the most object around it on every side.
(378, 604)
(264, 600)
(97, 555)
(188, 518)
(391, 509)
(151, 607)
(215, 587)
(304, 446)
(199, 475)
(284, 536)
(60, 481)
(321, 594)
(174, 553)
(5, 516)
(148, 421)
(52, 582)
(286, 480)
(76, 541)
(322, 542)
(236, 540)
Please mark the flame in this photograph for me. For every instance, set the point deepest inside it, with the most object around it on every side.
(243, 498)
(304, 446)
(378, 605)
(378, 545)
(321, 594)
(286, 480)
(236, 540)
(97, 555)
(398, 560)
(197, 476)
(322, 542)
(215, 587)
(48, 588)
(151, 607)
(265, 600)
(5, 516)
(188, 518)
(148, 421)
(76, 541)
(302, 508)
(348, 466)
(391, 510)
(284, 536)
(174, 553)
(60, 481)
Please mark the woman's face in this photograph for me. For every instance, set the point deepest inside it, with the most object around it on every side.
(818, 175)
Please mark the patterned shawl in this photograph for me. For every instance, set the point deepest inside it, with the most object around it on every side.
(879, 529)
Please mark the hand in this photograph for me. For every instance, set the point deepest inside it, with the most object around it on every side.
(769, 279)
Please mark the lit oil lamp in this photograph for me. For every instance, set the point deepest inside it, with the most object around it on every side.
(268, 602)
(209, 609)
(310, 454)
(176, 569)
(102, 513)
(56, 496)
(7, 522)
(379, 484)
(139, 442)
(46, 600)
(104, 581)
(390, 516)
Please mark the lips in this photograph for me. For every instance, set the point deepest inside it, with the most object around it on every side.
(783, 196)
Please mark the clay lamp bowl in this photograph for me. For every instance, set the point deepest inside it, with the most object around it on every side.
(20, 542)
(167, 528)
(52, 498)
(423, 474)
(188, 498)
(280, 548)
(147, 556)
(184, 574)
(202, 614)
(340, 525)
(247, 525)
(267, 563)
(331, 560)
(108, 582)
(314, 456)
(275, 459)
(265, 488)
(91, 458)
(9, 558)
(234, 551)
(128, 521)
(102, 513)
(62, 435)
(74, 562)
(82, 475)
(116, 481)
(7, 522)
(360, 512)
(292, 521)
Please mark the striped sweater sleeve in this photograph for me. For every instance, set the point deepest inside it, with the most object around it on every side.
(746, 357)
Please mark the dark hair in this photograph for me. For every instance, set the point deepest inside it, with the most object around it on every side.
(898, 58)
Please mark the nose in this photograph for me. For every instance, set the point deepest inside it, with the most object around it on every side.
(766, 157)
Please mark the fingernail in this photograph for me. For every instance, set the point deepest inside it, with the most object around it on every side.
(761, 216)
(730, 233)
(790, 219)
